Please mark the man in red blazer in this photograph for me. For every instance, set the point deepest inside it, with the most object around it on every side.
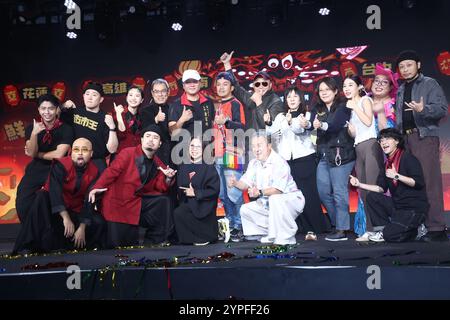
(136, 189)
(60, 217)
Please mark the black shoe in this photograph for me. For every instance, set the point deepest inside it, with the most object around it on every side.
(434, 236)
(337, 236)
(236, 235)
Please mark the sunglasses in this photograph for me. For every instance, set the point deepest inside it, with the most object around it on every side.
(83, 150)
(264, 84)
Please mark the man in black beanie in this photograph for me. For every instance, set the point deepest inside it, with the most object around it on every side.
(92, 123)
(136, 187)
(421, 104)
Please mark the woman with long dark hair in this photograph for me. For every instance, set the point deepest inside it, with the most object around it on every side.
(369, 156)
(128, 120)
(294, 144)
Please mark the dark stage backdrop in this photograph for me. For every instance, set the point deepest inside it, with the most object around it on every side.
(304, 48)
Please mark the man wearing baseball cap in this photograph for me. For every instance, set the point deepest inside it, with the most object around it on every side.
(192, 107)
(136, 187)
(263, 104)
(421, 104)
(228, 152)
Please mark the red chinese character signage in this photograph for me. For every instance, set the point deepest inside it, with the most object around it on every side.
(443, 61)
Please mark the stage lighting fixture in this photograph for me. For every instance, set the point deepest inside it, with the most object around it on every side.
(177, 26)
(71, 35)
(324, 11)
(70, 4)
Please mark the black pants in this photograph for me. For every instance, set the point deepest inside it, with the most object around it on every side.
(156, 217)
(35, 176)
(94, 235)
(400, 225)
(42, 231)
(303, 170)
(426, 150)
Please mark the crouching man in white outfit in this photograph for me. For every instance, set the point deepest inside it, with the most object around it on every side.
(279, 202)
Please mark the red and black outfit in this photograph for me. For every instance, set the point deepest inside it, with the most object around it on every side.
(223, 134)
(202, 110)
(38, 169)
(131, 137)
(401, 214)
(66, 189)
(92, 126)
(136, 196)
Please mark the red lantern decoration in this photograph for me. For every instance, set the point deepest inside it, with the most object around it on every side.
(59, 90)
(348, 68)
(443, 61)
(11, 94)
(173, 86)
(139, 82)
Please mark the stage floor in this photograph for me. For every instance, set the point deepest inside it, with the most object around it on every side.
(245, 270)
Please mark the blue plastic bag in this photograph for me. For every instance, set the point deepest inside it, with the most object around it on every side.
(360, 218)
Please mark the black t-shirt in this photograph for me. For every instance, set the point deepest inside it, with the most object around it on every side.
(89, 125)
(403, 196)
(408, 116)
(201, 112)
(61, 135)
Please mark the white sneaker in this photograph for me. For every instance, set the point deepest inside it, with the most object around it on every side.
(201, 243)
(266, 239)
(365, 236)
(224, 229)
(377, 237)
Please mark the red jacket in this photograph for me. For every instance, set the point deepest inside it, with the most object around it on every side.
(122, 201)
(74, 201)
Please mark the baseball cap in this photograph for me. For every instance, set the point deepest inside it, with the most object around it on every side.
(262, 74)
(191, 74)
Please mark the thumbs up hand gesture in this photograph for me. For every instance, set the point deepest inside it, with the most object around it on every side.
(303, 121)
(289, 116)
(186, 115)
(317, 124)
(160, 117)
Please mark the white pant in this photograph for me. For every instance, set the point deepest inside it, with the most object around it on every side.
(277, 223)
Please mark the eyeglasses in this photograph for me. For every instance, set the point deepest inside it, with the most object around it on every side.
(160, 92)
(195, 147)
(83, 150)
(383, 83)
(264, 84)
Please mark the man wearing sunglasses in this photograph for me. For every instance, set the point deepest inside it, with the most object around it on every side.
(61, 217)
(258, 102)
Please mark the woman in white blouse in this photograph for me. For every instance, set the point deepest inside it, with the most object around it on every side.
(292, 141)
